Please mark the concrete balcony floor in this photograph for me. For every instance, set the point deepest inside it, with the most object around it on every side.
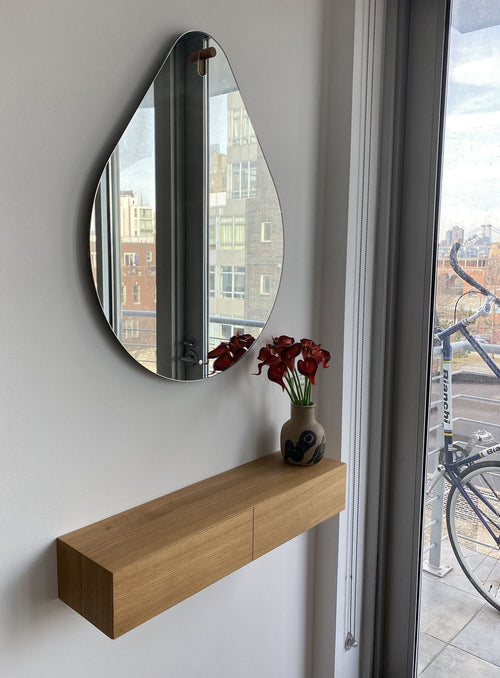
(459, 630)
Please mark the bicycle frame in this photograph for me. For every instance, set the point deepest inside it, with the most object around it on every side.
(453, 467)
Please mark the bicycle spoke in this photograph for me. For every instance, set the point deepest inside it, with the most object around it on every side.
(482, 498)
(473, 523)
(492, 489)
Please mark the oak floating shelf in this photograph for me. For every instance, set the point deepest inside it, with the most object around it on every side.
(124, 570)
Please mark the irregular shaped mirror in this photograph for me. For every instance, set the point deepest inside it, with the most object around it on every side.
(186, 237)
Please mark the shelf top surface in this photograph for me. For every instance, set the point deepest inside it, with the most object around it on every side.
(127, 537)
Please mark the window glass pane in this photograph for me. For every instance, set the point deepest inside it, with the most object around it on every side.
(239, 232)
(266, 231)
(253, 178)
(135, 178)
(265, 284)
(226, 281)
(239, 282)
(464, 418)
(137, 293)
(236, 179)
(244, 180)
(226, 232)
(234, 161)
(211, 281)
(212, 232)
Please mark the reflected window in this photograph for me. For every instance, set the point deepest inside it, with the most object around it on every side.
(244, 178)
(129, 259)
(211, 281)
(232, 233)
(226, 233)
(212, 243)
(137, 293)
(265, 231)
(265, 284)
(233, 282)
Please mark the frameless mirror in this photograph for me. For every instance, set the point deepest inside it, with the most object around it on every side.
(186, 236)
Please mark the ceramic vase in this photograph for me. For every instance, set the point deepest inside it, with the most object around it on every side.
(302, 437)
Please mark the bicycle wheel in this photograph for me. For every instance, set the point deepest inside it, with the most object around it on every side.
(477, 552)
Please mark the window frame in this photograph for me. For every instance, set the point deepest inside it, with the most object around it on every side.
(265, 278)
(410, 146)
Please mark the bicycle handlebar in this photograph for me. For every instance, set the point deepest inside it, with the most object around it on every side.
(465, 276)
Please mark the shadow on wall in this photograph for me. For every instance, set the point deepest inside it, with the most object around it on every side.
(30, 601)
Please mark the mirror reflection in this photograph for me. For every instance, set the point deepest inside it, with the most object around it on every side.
(186, 237)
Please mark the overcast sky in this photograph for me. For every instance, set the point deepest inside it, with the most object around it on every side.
(471, 169)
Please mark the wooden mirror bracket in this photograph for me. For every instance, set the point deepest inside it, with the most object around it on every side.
(122, 571)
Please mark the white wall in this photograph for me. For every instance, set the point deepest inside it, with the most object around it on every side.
(85, 432)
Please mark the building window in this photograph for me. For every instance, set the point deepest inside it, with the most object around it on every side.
(212, 232)
(155, 295)
(265, 284)
(124, 294)
(244, 178)
(232, 233)
(225, 331)
(236, 127)
(232, 282)
(130, 259)
(265, 231)
(241, 128)
(130, 329)
(149, 256)
(137, 293)
(226, 233)
(228, 331)
(239, 233)
(211, 281)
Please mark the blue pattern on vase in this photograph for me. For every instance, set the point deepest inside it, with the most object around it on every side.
(297, 452)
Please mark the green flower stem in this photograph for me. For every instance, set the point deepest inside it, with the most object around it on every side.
(289, 393)
(309, 391)
(293, 386)
(294, 398)
(300, 392)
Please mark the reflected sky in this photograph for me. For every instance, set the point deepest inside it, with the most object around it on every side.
(471, 162)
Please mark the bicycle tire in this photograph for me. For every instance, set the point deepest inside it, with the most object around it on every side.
(476, 552)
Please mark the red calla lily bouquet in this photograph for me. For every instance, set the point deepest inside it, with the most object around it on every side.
(296, 379)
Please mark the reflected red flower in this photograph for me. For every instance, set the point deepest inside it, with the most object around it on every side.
(224, 361)
(246, 340)
(218, 350)
(229, 352)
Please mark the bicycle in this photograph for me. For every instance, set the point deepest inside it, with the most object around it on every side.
(473, 505)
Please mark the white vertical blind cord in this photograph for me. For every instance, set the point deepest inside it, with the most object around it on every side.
(362, 328)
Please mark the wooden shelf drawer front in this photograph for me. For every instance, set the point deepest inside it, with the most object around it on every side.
(124, 570)
(144, 589)
(285, 516)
